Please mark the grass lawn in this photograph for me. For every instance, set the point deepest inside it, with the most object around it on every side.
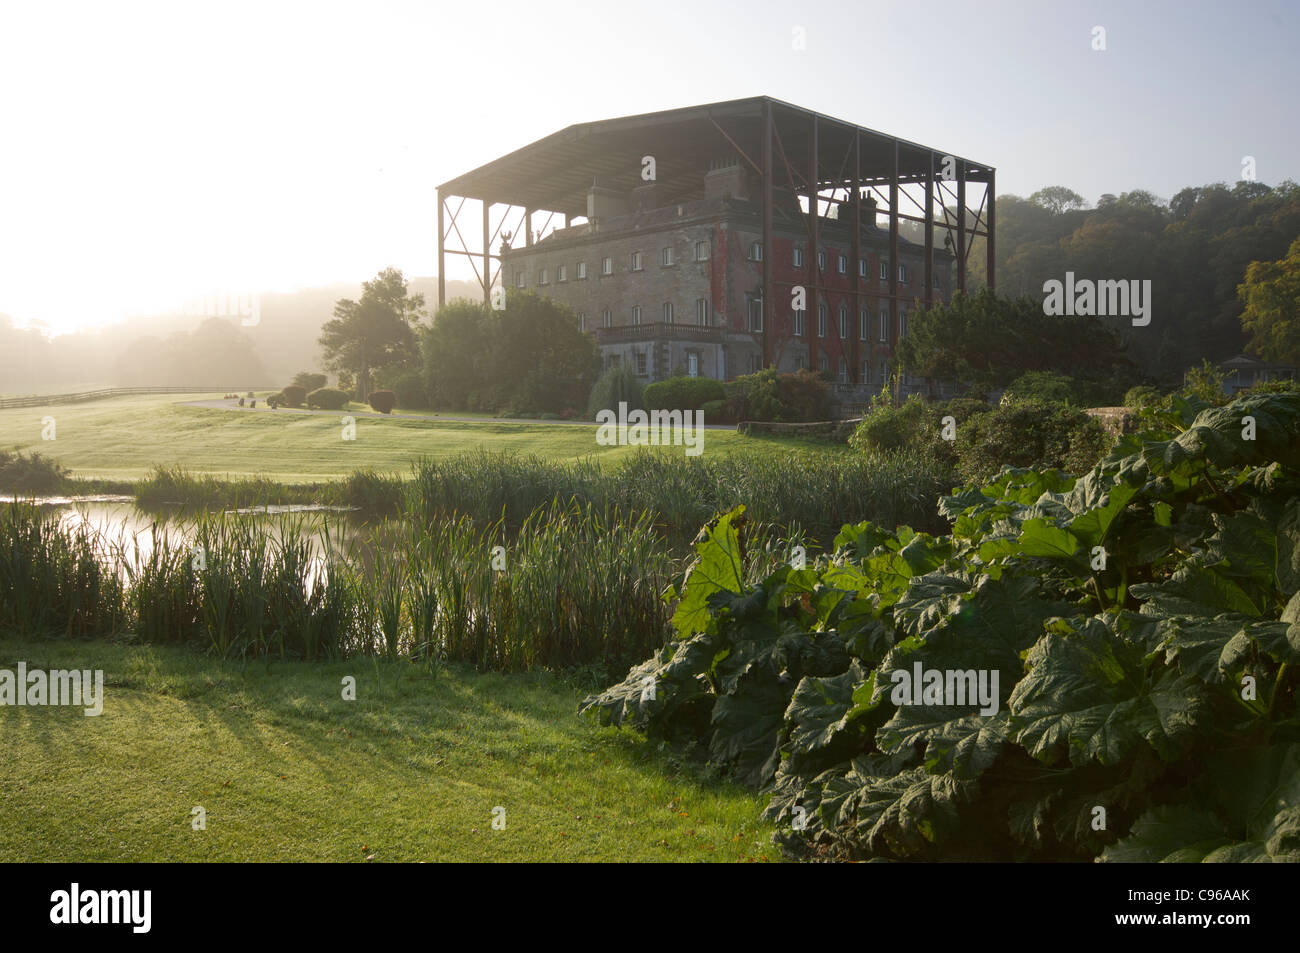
(288, 770)
(123, 438)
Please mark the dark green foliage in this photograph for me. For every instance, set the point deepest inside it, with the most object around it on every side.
(309, 381)
(294, 396)
(1143, 621)
(1143, 396)
(771, 395)
(529, 356)
(1029, 434)
(327, 398)
(382, 401)
(1045, 386)
(30, 473)
(682, 393)
(618, 384)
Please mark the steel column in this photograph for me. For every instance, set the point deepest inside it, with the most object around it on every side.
(893, 256)
(442, 257)
(812, 320)
(768, 304)
(855, 358)
(487, 257)
(929, 235)
(990, 256)
(961, 228)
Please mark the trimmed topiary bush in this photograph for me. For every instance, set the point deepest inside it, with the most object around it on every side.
(383, 401)
(683, 393)
(327, 398)
(293, 395)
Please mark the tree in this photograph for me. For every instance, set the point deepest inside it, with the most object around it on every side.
(375, 331)
(309, 380)
(1271, 294)
(986, 341)
(1057, 199)
(530, 356)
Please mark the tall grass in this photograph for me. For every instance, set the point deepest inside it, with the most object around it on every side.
(818, 491)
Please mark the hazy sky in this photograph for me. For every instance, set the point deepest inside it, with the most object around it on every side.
(151, 152)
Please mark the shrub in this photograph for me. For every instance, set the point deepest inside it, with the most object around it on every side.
(1280, 386)
(383, 401)
(683, 393)
(550, 416)
(309, 381)
(327, 398)
(293, 395)
(31, 473)
(1046, 386)
(1029, 434)
(1143, 396)
(618, 383)
(1206, 383)
(790, 398)
(408, 387)
(716, 412)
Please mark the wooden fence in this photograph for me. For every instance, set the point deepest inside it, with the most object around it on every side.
(41, 400)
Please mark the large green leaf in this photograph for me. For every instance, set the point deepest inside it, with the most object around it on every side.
(718, 567)
(1087, 694)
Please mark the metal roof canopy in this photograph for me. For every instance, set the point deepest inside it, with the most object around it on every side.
(554, 173)
(790, 149)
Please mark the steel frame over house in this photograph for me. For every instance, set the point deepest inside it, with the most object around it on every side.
(824, 161)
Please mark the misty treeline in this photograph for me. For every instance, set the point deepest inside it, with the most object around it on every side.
(1195, 249)
(181, 348)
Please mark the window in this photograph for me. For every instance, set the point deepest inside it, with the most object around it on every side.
(884, 324)
(666, 258)
(582, 321)
(519, 278)
(902, 324)
(844, 265)
(822, 363)
(754, 366)
(640, 362)
(701, 251)
(561, 272)
(821, 260)
(636, 314)
(692, 364)
(702, 311)
(884, 372)
(607, 266)
(668, 312)
(821, 319)
(884, 270)
(844, 371)
(865, 323)
(755, 309)
(798, 324)
(756, 251)
(614, 360)
(902, 274)
(798, 256)
(864, 268)
(844, 323)
(582, 270)
(541, 277)
(637, 258)
(604, 318)
(866, 372)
